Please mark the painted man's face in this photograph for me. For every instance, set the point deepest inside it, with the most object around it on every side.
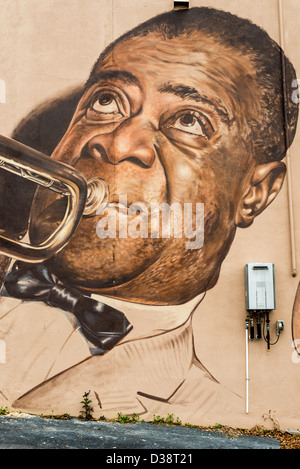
(166, 120)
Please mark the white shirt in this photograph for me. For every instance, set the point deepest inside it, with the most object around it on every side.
(153, 370)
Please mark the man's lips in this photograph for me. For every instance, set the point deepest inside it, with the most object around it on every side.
(47, 218)
(51, 216)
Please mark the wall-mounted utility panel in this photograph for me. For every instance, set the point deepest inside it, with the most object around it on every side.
(260, 287)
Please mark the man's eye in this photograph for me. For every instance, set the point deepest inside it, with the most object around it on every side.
(107, 107)
(106, 104)
(189, 122)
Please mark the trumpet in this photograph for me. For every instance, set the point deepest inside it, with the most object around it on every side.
(83, 198)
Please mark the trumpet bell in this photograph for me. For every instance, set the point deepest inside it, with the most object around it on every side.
(47, 174)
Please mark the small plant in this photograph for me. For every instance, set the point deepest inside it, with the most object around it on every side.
(87, 412)
(190, 425)
(123, 418)
(127, 419)
(3, 410)
(169, 420)
(158, 420)
(217, 426)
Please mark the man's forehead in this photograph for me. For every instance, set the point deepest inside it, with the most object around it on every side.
(184, 58)
(154, 47)
(192, 48)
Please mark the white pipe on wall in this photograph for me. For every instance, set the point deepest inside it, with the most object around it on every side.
(247, 372)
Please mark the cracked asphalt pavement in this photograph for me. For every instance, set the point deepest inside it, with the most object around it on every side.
(33, 432)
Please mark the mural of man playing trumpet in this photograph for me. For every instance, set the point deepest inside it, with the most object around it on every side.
(186, 108)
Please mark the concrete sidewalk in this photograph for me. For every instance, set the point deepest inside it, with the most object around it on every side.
(33, 432)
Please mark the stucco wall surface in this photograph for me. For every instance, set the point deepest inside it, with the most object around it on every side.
(186, 352)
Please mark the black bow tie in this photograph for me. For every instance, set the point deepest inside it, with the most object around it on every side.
(102, 325)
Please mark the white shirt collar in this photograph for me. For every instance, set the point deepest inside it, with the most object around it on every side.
(152, 320)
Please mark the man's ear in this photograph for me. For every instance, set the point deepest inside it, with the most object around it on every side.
(265, 183)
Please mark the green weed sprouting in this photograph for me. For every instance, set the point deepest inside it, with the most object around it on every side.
(87, 412)
(127, 419)
(4, 410)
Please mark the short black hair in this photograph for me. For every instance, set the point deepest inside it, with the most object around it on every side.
(271, 133)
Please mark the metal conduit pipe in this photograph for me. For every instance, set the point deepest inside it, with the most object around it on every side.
(247, 369)
(288, 162)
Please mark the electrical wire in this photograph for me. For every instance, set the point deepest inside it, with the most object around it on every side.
(265, 339)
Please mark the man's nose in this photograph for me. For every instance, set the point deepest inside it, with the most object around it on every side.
(132, 140)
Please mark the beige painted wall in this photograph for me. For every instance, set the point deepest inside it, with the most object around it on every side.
(50, 46)
(274, 376)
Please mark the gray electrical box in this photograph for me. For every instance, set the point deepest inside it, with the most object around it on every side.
(260, 287)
